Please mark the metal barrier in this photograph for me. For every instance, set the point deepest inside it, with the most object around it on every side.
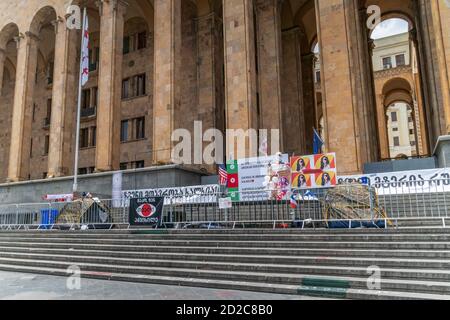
(110, 214)
(394, 204)
(402, 203)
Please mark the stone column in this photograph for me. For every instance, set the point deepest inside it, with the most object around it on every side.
(2, 66)
(268, 23)
(63, 100)
(110, 84)
(309, 100)
(364, 83)
(167, 93)
(421, 120)
(240, 73)
(23, 100)
(206, 71)
(209, 74)
(293, 114)
(440, 12)
(346, 101)
(382, 128)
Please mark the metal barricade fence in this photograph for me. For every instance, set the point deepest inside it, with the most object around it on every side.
(399, 200)
(415, 199)
(94, 213)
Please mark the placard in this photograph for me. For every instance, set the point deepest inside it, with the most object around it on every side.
(146, 211)
(225, 203)
(247, 178)
(314, 171)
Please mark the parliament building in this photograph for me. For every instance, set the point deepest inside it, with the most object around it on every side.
(160, 65)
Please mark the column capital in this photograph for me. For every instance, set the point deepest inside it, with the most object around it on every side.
(207, 16)
(310, 55)
(264, 4)
(292, 31)
(413, 35)
(210, 17)
(363, 11)
(371, 43)
(30, 35)
(115, 5)
(56, 23)
(18, 38)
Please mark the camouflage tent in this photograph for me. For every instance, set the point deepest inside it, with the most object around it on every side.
(85, 211)
(353, 202)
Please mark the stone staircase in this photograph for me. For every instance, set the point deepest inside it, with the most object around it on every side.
(414, 263)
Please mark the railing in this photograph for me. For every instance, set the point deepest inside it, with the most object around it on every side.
(99, 214)
(384, 204)
(88, 112)
(46, 123)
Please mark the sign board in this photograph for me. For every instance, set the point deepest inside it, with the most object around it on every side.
(146, 211)
(178, 195)
(225, 203)
(58, 197)
(247, 177)
(314, 171)
(404, 182)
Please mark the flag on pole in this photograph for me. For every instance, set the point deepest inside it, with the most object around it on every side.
(293, 202)
(84, 77)
(223, 175)
(317, 143)
(264, 147)
(85, 50)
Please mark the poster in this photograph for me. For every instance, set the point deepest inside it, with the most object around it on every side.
(146, 211)
(404, 182)
(314, 171)
(248, 178)
(225, 203)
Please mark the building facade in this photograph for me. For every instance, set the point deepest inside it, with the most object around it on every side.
(395, 63)
(160, 65)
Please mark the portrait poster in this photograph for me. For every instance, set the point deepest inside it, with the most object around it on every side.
(314, 171)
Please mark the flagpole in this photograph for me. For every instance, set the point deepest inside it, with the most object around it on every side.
(77, 134)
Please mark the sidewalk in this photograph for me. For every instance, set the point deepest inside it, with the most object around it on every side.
(21, 286)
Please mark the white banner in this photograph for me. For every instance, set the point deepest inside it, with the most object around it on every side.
(253, 178)
(117, 188)
(405, 182)
(178, 195)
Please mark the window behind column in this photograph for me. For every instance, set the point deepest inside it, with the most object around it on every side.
(140, 128)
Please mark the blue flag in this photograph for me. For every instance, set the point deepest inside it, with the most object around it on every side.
(318, 143)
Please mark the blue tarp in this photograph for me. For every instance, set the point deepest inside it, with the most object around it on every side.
(345, 224)
(48, 217)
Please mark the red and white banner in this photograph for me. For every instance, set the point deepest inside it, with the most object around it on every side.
(85, 50)
(58, 197)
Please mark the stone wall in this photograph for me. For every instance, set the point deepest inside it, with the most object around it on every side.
(100, 183)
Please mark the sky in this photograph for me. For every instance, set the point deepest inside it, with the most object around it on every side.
(389, 28)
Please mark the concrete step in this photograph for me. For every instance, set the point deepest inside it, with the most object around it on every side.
(130, 251)
(414, 236)
(388, 245)
(302, 282)
(413, 263)
(202, 261)
(259, 231)
(143, 266)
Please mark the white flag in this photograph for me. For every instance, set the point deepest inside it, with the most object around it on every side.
(264, 147)
(85, 51)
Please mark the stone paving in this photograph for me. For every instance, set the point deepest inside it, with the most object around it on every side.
(22, 286)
